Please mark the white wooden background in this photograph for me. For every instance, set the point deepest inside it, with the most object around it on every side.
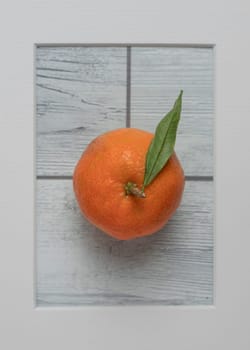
(80, 93)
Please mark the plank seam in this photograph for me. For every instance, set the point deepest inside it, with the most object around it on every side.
(128, 96)
(70, 177)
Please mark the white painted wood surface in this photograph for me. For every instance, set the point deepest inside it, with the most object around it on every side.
(77, 264)
(80, 93)
(157, 76)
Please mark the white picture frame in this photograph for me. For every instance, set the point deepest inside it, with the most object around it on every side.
(225, 325)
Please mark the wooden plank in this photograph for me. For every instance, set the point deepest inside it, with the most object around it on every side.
(77, 264)
(80, 93)
(157, 76)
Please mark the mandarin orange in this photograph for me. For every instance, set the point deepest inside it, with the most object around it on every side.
(111, 166)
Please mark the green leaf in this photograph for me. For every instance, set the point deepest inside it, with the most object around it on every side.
(162, 145)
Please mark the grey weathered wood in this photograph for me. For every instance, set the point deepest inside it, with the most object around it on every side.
(77, 264)
(80, 93)
(157, 76)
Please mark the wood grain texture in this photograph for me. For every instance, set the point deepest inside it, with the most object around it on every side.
(80, 93)
(157, 76)
(79, 265)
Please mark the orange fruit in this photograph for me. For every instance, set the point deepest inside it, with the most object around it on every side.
(108, 166)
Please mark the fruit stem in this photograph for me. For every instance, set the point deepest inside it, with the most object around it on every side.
(131, 188)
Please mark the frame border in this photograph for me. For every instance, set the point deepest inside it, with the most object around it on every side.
(225, 325)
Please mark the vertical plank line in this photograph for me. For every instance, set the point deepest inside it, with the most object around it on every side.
(128, 97)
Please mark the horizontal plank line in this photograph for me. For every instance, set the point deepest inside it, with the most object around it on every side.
(199, 178)
(124, 45)
(128, 94)
(54, 177)
(69, 177)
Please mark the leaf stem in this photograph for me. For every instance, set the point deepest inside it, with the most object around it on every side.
(132, 189)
